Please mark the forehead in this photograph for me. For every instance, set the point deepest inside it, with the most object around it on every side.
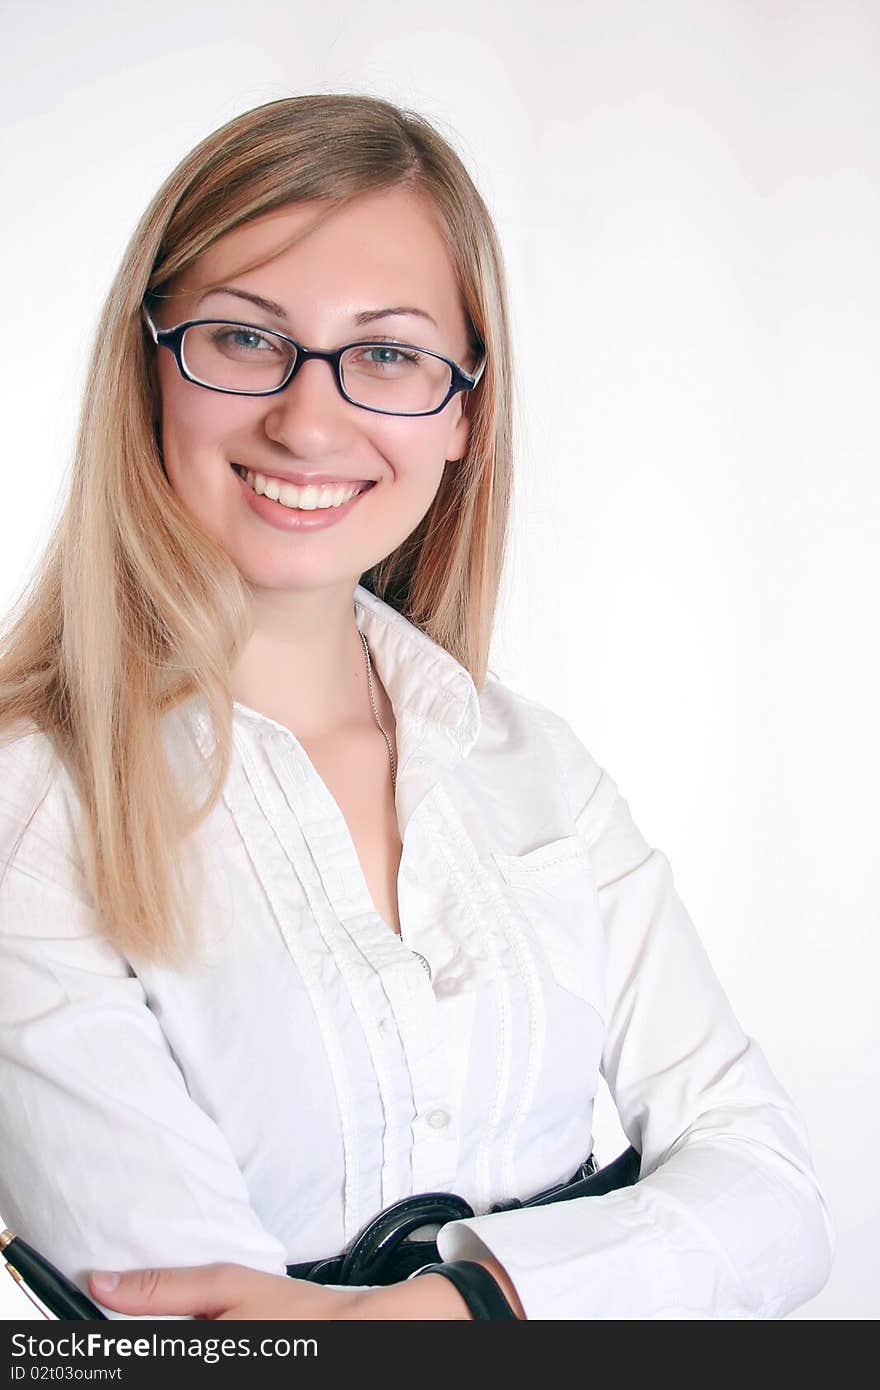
(386, 247)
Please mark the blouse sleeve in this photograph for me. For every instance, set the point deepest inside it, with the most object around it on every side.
(105, 1160)
(727, 1219)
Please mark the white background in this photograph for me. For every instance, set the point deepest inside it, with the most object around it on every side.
(687, 195)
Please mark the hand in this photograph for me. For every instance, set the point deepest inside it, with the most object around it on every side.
(221, 1291)
(231, 1291)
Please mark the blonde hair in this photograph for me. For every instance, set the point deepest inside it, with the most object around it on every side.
(134, 609)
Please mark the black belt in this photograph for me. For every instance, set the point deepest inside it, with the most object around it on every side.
(384, 1254)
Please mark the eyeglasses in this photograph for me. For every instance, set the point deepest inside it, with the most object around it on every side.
(244, 359)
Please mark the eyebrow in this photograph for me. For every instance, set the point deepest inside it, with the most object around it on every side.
(278, 312)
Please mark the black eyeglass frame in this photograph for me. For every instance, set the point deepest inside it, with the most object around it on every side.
(172, 338)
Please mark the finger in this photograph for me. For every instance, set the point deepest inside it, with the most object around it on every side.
(203, 1289)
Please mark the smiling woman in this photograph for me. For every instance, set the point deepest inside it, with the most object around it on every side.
(304, 912)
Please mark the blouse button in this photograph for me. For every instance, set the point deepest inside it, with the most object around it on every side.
(437, 1119)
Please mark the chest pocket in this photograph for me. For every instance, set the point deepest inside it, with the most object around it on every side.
(554, 888)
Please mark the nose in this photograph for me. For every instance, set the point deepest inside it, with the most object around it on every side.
(310, 416)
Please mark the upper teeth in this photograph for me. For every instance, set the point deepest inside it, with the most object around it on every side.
(308, 498)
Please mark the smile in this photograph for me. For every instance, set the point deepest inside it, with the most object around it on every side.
(304, 513)
(310, 498)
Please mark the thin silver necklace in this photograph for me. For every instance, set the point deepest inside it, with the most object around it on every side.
(376, 713)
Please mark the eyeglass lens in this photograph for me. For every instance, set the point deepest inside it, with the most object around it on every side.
(381, 375)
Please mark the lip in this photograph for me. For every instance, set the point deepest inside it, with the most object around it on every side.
(289, 475)
(290, 519)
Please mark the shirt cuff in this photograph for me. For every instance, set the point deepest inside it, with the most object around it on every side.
(556, 1280)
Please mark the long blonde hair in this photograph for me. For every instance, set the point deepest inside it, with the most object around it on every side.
(133, 609)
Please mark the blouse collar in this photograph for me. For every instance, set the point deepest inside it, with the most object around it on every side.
(431, 693)
(422, 679)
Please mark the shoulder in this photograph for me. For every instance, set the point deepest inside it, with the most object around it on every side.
(28, 765)
(544, 748)
(35, 790)
(519, 720)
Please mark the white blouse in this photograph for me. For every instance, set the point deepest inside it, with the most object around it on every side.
(263, 1106)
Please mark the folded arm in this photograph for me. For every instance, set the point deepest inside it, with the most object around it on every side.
(728, 1219)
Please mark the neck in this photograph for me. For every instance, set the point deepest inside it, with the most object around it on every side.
(304, 664)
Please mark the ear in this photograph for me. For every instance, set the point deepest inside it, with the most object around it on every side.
(458, 439)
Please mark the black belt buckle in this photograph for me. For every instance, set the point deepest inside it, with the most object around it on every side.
(385, 1253)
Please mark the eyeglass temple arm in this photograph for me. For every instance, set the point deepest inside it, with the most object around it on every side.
(154, 332)
(482, 367)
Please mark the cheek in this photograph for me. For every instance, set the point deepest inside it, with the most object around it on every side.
(415, 451)
(194, 423)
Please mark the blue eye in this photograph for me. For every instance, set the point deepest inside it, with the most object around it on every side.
(223, 336)
(396, 356)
